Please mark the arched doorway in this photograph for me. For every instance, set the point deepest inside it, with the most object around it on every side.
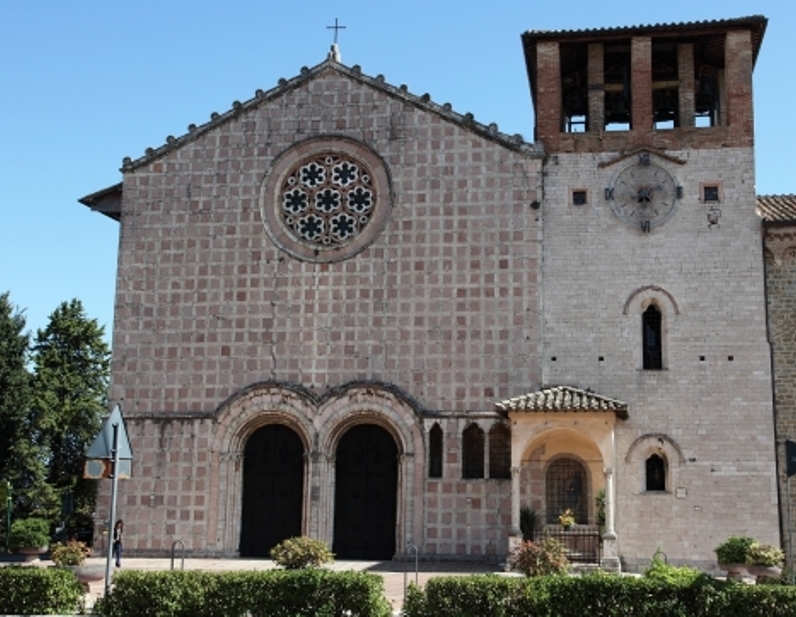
(273, 489)
(366, 471)
(566, 487)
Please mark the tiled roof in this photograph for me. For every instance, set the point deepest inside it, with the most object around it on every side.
(756, 22)
(776, 208)
(515, 142)
(563, 398)
(107, 201)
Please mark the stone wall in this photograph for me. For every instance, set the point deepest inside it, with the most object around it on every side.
(442, 307)
(780, 244)
(709, 412)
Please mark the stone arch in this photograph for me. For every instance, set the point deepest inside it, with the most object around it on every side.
(388, 409)
(651, 291)
(237, 418)
(646, 446)
(637, 305)
(568, 439)
(259, 404)
(320, 422)
(661, 438)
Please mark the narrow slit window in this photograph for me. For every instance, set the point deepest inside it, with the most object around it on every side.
(472, 452)
(435, 452)
(656, 473)
(651, 339)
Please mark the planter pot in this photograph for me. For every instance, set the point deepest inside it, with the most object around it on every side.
(31, 553)
(762, 572)
(88, 574)
(734, 570)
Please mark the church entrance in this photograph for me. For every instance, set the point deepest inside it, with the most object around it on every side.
(273, 489)
(365, 494)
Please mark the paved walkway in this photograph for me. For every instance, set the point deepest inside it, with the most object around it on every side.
(396, 574)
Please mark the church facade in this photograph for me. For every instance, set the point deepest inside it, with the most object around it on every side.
(347, 311)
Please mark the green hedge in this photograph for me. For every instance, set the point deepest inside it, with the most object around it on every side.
(275, 593)
(30, 590)
(597, 595)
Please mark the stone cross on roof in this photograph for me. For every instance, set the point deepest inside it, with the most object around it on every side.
(335, 27)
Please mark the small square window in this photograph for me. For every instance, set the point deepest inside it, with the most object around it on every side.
(579, 198)
(710, 193)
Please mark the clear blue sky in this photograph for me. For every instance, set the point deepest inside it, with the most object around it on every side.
(87, 82)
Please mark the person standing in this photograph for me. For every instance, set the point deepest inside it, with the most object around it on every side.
(118, 529)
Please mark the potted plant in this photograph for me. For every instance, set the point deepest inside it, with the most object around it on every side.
(764, 560)
(731, 555)
(29, 537)
(73, 555)
(566, 519)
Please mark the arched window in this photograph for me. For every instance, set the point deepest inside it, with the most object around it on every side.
(435, 452)
(500, 452)
(651, 338)
(566, 487)
(472, 452)
(655, 467)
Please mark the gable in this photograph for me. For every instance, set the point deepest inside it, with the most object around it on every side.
(345, 77)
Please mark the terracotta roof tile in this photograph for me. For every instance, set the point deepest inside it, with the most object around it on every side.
(776, 208)
(563, 398)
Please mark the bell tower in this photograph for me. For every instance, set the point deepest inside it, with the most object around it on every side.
(652, 274)
(657, 86)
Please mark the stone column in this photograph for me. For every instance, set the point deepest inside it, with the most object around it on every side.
(323, 496)
(610, 559)
(596, 90)
(515, 535)
(230, 495)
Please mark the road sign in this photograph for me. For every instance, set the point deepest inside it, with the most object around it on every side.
(100, 468)
(102, 446)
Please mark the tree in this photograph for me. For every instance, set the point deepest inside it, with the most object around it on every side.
(14, 390)
(14, 378)
(71, 364)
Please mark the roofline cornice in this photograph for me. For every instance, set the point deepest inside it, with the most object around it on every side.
(514, 142)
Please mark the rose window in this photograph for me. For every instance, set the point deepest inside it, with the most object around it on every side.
(327, 200)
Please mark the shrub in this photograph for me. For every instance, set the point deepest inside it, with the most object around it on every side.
(599, 502)
(734, 549)
(38, 591)
(29, 533)
(538, 559)
(301, 552)
(73, 553)
(659, 570)
(596, 594)
(764, 555)
(275, 593)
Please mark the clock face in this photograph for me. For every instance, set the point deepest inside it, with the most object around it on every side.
(643, 195)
